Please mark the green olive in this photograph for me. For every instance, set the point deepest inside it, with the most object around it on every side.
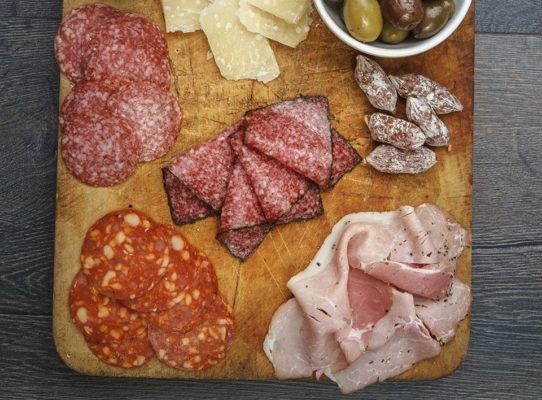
(436, 16)
(391, 34)
(363, 19)
(403, 14)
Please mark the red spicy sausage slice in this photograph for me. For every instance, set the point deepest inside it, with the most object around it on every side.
(130, 353)
(100, 149)
(202, 346)
(73, 32)
(101, 319)
(125, 254)
(194, 299)
(153, 112)
(86, 97)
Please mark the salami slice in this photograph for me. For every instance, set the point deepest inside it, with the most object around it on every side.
(100, 149)
(242, 242)
(345, 157)
(101, 319)
(90, 96)
(177, 282)
(277, 187)
(122, 57)
(183, 205)
(206, 169)
(153, 112)
(125, 254)
(194, 299)
(308, 207)
(74, 31)
(130, 353)
(241, 208)
(297, 133)
(202, 346)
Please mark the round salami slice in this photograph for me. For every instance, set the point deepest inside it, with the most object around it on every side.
(192, 302)
(100, 149)
(90, 96)
(73, 32)
(202, 346)
(177, 283)
(127, 51)
(130, 353)
(101, 319)
(125, 254)
(153, 112)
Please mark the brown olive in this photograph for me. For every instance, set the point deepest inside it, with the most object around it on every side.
(363, 19)
(392, 35)
(402, 14)
(436, 16)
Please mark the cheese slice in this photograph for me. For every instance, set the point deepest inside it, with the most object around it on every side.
(183, 15)
(258, 21)
(289, 10)
(239, 54)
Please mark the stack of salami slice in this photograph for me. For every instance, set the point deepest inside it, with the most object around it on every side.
(120, 111)
(265, 170)
(145, 290)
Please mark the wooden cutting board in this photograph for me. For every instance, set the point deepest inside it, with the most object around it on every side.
(321, 65)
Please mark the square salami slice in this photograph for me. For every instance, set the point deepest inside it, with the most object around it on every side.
(308, 207)
(242, 242)
(297, 133)
(241, 208)
(277, 187)
(207, 168)
(183, 205)
(345, 157)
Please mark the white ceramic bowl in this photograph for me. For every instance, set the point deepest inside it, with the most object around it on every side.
(330, 14)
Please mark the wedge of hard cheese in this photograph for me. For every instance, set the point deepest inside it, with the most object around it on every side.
(289, 10)
(183, 15)
(239, 54)
(272, 27)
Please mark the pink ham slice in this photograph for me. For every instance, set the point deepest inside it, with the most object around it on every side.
(207, 168)
(277, 187)
(443, 316)
(430, 281)
(397, 342)
(297, 133)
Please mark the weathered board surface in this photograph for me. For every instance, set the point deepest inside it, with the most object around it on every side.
(319, 66)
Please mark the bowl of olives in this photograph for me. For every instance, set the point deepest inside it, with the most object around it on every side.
(392, 28)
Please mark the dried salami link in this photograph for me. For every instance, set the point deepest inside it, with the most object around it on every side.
(74, 31)
(440, 98)
(125, 254)
(90, 96)
(420, 112)
(130, 353)
(101, 319)
(153, 112)
(376, 85)
(395, 131)
(184, 206)
(203, 346)
(100, 149)
(391, 160)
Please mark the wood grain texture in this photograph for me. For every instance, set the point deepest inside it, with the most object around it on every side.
(518, 16)
(506, 313)
(321, 65)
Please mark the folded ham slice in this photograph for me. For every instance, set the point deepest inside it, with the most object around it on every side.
(354, 316)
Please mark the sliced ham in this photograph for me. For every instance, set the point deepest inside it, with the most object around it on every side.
(443, 316)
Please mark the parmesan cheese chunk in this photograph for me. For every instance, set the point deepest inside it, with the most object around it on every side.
(258, 21)
(239, 54)
(183, 15)
(289, 10)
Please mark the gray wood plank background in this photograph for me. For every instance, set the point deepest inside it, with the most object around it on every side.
(505, 355)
